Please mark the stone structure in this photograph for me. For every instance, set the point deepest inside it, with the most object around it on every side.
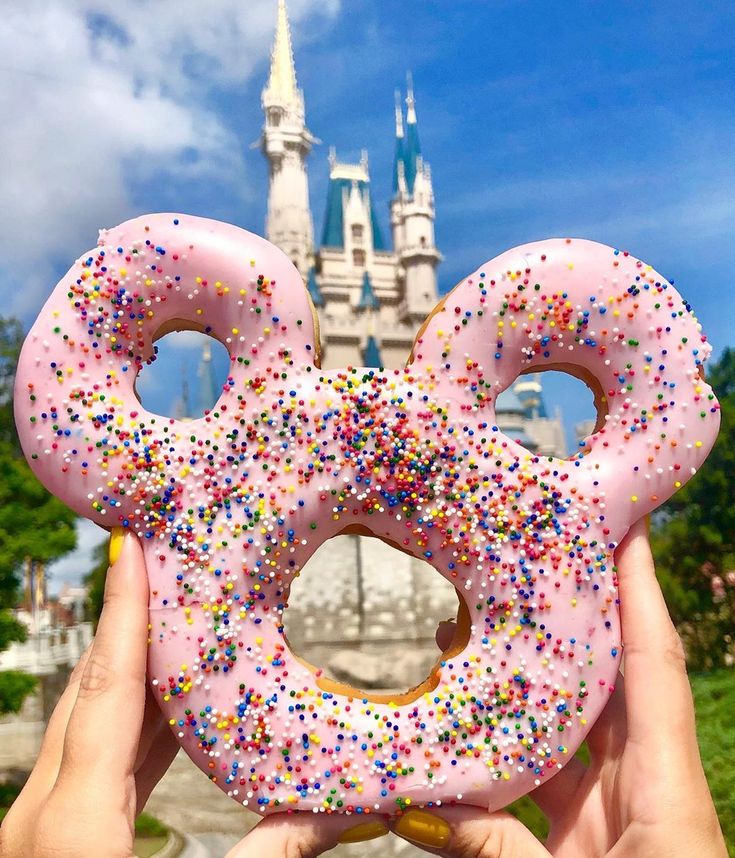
(48, 650)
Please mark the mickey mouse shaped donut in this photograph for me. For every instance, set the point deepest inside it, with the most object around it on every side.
(231, 506)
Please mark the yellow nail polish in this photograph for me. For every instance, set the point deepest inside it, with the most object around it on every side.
(423, 828)
(116, 543)
(364, 831)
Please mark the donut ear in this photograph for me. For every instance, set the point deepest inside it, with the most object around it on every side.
(81, 426)
(609, 318)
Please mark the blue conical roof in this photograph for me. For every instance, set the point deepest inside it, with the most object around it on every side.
(397, 160)
(315, 293)
(371, 353)
(411, 154)
(333, 234)
(368, 298)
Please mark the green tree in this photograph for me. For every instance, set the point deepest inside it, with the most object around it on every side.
(34, 525)
(95, 581)
(11, 339)
(694, 541)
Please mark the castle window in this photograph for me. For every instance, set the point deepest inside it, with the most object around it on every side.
(422, 241)
(357, 232)
(358, 258)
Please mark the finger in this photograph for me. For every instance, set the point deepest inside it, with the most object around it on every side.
(104, 727)
(445, 633)
(556, 793)
(154, 723)
(468, 832)
(155, 765)
(658, 697)
(606, 739)
(307, 834)
(156, 750)
(41, 780)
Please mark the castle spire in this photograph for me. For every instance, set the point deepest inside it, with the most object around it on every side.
(410, 100)
(412, 145)
(398, 166)
(282, 80)
(286, 143)
(208, 394)
(399, 116)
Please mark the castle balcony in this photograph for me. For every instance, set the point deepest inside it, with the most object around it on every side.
(346, 329)
(421, 253)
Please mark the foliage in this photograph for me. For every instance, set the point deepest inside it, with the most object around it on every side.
(11, 339)
(529, 814)
(34, 525)
(148, 826)
(694, 542)
(714, 698)
(15, 686)
(8, 794)
(10, 630)
(95, 582)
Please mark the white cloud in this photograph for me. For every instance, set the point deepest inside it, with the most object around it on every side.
(98, 96)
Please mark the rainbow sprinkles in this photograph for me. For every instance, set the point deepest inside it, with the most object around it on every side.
(229, 507)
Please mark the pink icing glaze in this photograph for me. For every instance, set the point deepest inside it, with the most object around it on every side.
(230, 506)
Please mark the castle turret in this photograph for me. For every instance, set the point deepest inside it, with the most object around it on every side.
(412, 218)
(286, 142)
(208, 392)
(350, 222)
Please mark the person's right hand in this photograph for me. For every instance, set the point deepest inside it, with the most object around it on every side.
(644, 793)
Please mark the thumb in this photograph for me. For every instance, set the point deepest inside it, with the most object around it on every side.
(468, 832)
(307, 834)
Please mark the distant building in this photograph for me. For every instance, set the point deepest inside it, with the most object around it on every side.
(73, 600)
(521, 414)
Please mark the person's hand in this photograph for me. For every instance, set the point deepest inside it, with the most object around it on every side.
(644, 793)
(107, 744)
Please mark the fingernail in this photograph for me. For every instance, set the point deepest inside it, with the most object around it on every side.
(364, 831)
(423, 828)
(117, 537)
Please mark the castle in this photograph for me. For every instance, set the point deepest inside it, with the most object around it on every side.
(370, 298)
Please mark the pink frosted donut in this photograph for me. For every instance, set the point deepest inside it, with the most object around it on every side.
(229, 507)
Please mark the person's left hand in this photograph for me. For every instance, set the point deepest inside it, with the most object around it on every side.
(107, 744)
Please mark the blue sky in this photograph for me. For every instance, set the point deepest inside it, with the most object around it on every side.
(612, 121)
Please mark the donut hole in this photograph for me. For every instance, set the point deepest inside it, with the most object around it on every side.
(552, 410)
(365, 615)
(185, 375)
